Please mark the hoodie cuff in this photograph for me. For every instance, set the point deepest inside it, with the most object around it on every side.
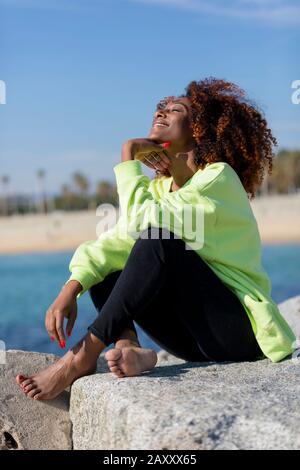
(85, 280)
(127, 169)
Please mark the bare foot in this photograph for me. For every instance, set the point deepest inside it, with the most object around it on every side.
(130, 360)
(50, 382)
(77, 362)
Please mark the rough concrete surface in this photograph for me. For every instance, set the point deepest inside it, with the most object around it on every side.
(178, 405)
(189, 405)
(185, 405)
(26, 423)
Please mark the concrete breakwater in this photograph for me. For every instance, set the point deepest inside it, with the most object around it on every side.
(178, 405)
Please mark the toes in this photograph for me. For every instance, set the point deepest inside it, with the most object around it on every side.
(119, 374)
(113, 354)
(29, 387)
(26, 382)
(20, 378)
(112, 363)
(33, 393)
(117, 371)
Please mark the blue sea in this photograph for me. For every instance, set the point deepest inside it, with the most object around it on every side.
(31, 282)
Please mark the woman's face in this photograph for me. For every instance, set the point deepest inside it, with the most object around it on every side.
(172, 124)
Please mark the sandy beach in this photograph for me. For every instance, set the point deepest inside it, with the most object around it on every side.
(278, 219)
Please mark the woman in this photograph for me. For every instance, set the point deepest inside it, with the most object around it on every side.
(201, 294)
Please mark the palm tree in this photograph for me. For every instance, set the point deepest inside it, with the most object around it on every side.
(5, 180)
(41, 175)
(104, 190)
(81, 182)
(67, 196)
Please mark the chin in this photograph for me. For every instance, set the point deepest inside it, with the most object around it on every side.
(158, 136)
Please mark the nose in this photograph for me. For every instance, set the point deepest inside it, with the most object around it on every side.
(160, 113)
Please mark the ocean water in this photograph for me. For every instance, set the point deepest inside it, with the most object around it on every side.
(31, 282)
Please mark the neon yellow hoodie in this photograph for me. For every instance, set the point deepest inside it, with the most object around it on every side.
(231, 242)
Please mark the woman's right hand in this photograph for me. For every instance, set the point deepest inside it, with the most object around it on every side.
(64, 306)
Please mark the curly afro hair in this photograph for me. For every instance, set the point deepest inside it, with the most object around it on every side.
(230, 128)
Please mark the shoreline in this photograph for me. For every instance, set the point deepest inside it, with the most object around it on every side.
(278, 219)
(61, 250)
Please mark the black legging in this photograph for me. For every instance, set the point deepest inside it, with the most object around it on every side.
(173, 295)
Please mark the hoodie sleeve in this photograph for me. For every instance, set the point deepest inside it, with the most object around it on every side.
(95, 259)
(187, 212)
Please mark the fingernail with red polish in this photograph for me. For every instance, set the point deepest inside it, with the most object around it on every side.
(52, 339)
(68, 332)
(166, 144)
(62, 344)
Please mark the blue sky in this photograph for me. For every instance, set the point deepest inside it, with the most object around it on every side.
(83, 76)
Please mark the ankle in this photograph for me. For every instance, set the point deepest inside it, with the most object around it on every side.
(80, 362)
(125, 343)
(83, 366)
(128, 338)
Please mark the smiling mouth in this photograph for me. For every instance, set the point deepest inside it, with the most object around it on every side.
(160, 124)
